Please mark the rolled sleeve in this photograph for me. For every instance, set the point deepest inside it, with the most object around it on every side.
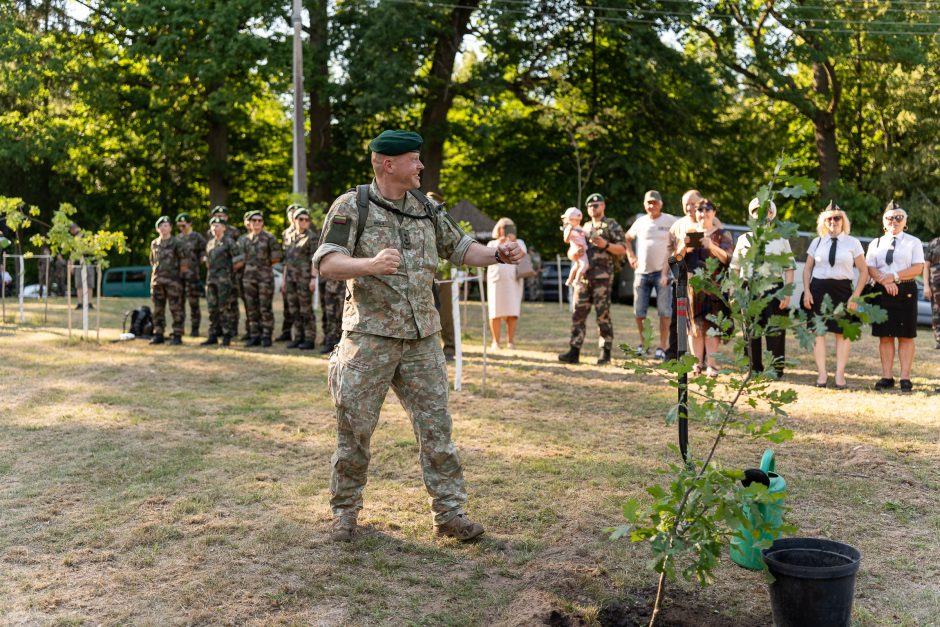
(460, 251)
(326, 249)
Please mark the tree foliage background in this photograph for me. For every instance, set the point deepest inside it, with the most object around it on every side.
(129, 109)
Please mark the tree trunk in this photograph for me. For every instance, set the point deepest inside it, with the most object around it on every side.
(440, 96)
(824, 126)
(321, 113)
(217, 165)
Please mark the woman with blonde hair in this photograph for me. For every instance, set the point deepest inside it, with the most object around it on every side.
(831, 261)
(894, 261)
(504, 289)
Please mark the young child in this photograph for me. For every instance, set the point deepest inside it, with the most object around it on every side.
(577, 244)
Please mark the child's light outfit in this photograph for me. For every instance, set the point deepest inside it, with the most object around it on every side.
(577, 253)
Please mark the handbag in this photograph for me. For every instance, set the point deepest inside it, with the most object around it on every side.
(525, 269)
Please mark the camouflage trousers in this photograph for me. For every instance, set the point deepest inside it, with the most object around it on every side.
(362, 367)
(258, 291)
(191, 293)
(935, 303)
(300, 306)
(237, 294)
(169, 292)
(332, 295)
(218, 299)
(592, 291)
(288, 323)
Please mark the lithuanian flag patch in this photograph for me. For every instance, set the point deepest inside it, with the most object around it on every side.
(340, 219)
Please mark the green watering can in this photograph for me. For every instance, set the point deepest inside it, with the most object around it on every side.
(742, 550)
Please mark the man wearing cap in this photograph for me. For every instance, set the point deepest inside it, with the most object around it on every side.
(391, 331)
(261, 252)
(288, 322)
(194, 245)
(651, 267)
(221, 211)
(168, 261)
(299, 281)
(605, 247)
(222, 257)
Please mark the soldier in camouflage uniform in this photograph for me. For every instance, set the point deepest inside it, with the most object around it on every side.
(391, 330)
(332, 295)
(195, 246)
(169, 262)
(288, 323)
(932, 285)
(299, 281)
(606, 245)
(222, 257)
(261, 252)
(221, 211)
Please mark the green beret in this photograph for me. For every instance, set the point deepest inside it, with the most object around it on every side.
(162, 220)
(294, 207)
(219, 209)
(301, 212)
(183, 217)
(393, 143)
(595, 197)
(217, 220)
(253, 213)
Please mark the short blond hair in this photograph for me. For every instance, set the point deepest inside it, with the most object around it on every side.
(821, 229)
(499, 226)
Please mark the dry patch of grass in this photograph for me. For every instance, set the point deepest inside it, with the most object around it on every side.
(186, 485)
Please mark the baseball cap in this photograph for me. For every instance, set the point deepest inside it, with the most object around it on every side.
(571, 211)
(652, 195)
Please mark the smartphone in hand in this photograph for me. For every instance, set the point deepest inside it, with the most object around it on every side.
(695, 239)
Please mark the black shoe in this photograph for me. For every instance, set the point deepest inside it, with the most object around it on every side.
(176, 340)
(327, 348)
(906, 385)
(293, 344)
(246, 337)
(573, 356)
(448, 357)
(306, 346)
(194, 331)
(157, 339)
(253, 341)
(604, 359)
(212, 339)
(265, 342)
(884, 384)
(283, 337)
(226, 340)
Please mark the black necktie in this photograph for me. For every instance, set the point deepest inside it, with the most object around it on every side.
(832, 252)
(890, 256)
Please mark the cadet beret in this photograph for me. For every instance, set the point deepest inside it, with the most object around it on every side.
(220, 209)
(393, 143)
(301, 212)
(253, 213)
(595, 197)
(161, 220)
(294, 207)
(183, 217)
(217, 220)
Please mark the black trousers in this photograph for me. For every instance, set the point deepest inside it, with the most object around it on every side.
(776, 342)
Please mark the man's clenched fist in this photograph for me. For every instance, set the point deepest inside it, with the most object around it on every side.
(510, 252)
(386, 262)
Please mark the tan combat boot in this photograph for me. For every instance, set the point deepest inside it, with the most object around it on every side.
(344, 527)
(460, 527)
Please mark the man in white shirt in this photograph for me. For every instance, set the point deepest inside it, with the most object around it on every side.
(650, 263)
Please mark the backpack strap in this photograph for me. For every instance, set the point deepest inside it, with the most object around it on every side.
(362, 203)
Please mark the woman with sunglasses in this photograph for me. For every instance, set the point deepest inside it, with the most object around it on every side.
(831, 261)
(894, 261)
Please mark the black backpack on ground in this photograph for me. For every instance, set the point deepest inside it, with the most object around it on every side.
(141, 322)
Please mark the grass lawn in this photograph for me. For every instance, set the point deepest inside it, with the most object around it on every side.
(185, 485)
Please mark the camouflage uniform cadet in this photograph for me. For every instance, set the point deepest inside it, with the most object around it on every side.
(332, 295)
(933, 259)
(288, 323)
(595, 287)
(195, 246)
(261, 252)
(298, 277)
(168, 260)
(232, 232)
(221, 257)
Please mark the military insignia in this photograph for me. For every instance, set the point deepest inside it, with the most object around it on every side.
(340, 219)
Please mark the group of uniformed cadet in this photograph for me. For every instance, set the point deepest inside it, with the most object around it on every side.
(241, 267)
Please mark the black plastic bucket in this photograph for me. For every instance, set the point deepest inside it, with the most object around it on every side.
(814, 582)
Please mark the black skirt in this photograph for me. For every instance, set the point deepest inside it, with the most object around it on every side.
(839, 290)
(901, 310)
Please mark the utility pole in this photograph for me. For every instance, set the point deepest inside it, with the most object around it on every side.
(300, 149)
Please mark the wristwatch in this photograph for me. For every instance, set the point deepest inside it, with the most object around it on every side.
(896, 277)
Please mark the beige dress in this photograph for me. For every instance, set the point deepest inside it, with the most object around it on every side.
(504, 290)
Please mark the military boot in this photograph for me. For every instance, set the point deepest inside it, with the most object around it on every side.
(265, 342)
(253, 341)
(157, 338)
(573, 356)
(194, 330)
(604, 359)
(226, 340)
(328, 344)
(176, 340)
(283, 337)
(344, 527)
(460, 527)
(306, 346)
(295, 343)
(212, 339)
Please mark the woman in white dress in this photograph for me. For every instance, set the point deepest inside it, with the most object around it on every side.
(504, 289)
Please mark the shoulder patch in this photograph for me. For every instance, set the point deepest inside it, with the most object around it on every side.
(340, 219)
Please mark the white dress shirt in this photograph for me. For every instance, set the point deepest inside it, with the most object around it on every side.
(847, 250)
(908, 250)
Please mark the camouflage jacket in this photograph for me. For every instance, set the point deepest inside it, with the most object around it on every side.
(168, 260)
(194, 245)
(932, 257)
(399, 305)
(602, 261)
(230, 231)
(298, 253)
(286, 235)
(220, 256)
(261, 251)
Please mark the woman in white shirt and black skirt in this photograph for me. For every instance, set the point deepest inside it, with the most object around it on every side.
(831, 261)
(894, 260)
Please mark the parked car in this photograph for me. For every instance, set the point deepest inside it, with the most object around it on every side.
(550, 282)
(126, 281)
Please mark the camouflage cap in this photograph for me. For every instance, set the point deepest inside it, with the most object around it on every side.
(183, 217)
(161, 220)
(217, 220)
(254, 213)
(394, 143)
(595, 197)
(219, 209)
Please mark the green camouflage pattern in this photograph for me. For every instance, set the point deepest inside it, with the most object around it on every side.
(332, 295)
(298, 253)
(260, 251)
(362, 368)
(194, 245)
(288, 322)
(167, 260)
(234, 234)
(220, 257)
(932, 257)
(602, 261)
(594, 289)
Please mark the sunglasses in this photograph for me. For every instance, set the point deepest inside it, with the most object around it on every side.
(834, 219)
(256, 220)
(895, 218)
(704, 209)
(303, 219)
